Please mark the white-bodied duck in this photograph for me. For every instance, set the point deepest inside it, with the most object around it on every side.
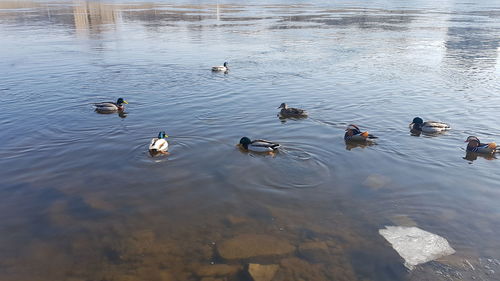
(474, 145)
(430, 127)
(159, 144)
(353, 133)
(221, 68)
(258, 145)
(109, 107)
(291, 111)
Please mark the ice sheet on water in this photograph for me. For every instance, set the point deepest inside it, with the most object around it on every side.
(416, 246)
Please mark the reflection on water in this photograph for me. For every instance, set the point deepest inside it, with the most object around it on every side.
(94, 17)
(82, 199)
(350, 145)
(473, 156)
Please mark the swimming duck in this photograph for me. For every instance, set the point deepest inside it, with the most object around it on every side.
(353, 133)
(291, 112)
(258, 145)
(430, 127)
(108, 107)
(221, 68)
(474, 145)
(159, 144)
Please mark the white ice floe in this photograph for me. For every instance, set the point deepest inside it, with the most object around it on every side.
(416, 246)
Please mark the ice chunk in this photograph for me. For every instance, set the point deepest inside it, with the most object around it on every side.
(416, 246)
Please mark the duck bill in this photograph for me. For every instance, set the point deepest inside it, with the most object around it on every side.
(125, 102)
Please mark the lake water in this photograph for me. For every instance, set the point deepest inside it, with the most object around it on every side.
(81, 198)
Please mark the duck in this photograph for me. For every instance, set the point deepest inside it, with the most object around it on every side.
(353, 133)
(221, 68)
(258, 145)
(108, 107)
(291, 112)
(430, 127)
(159, 144)
(474, 145)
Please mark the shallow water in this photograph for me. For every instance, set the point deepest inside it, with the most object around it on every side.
(81, 198)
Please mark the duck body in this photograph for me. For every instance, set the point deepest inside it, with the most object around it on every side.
(430, 127)
(474, 145)
(258, 145)
(220, 68)
(291, 112)
(159, 144)
(354, 134)
(110, 107)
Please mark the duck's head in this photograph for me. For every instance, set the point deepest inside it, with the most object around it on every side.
(244, 141)
(352, 127)
(416, 124)
(226, 65)
(121, 101)
(472, 138)
(162, 135)
(417, 120)
(472, 142)
(283, 105)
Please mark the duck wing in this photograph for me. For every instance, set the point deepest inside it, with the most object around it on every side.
(293, 111)
(105, 104)
(264, 143)
(153, 144)
(436, 124)
(158, 144)
(296, 110)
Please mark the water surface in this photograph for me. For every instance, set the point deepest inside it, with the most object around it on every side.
(81, 199)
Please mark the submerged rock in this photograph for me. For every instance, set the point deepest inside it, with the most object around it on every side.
(253, 245)
(218, 270)
(416, 246)
(260, 272)
(211, 279)
(232, 219)
(298, 269)
(314, 251)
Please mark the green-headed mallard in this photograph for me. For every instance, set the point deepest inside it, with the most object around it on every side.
(430, 127)
(221, 68)
(258, 145)
(108, 107)
(159, 144)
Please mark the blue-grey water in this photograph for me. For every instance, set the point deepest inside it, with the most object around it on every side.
(81, 198)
